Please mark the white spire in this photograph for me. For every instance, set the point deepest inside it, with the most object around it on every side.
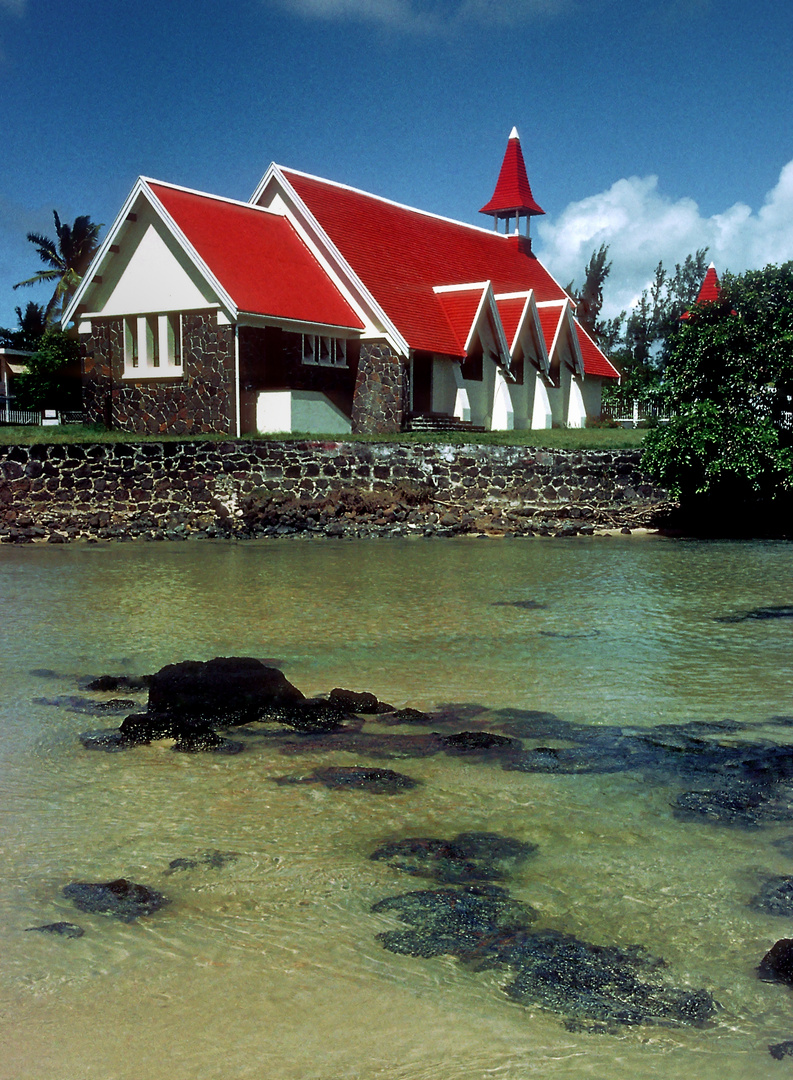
(514, 134)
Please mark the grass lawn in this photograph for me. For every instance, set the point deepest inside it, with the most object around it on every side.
(555, 438)
(570, 439)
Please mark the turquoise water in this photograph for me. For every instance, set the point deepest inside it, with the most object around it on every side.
(269, 967)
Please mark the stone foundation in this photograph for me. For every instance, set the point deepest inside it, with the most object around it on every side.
(117, 489)
(378, 405)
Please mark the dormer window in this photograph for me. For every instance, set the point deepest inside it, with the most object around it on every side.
(152, 346)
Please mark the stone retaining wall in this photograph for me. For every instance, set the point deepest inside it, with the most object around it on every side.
(174, 489)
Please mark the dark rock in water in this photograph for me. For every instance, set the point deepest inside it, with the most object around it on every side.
(228, 689)
(63, 929)
(742, 806)
(604, 983)
(119, 682)
(376, 781)
(351, 701)
(44, 673)
(452, 921)
(88, 705)
(468, 742)
(314, 716)
(123, 899)
(212, 860)
(468, 857)
(206, 741)
(570, 635)
(781, 1050)
(108, 739)
(777, 964)
(145, 727)
(408, 716)
(485, 928)
(775, 896)
(528, 605)
(773, 611)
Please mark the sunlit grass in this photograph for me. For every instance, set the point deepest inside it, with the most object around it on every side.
(555, 438)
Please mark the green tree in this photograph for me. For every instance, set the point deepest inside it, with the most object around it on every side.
(66, 259)
(31, 324)
(729, 378)
(589, 300)
(52, 376)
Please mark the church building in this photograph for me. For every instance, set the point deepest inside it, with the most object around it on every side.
(319, 308)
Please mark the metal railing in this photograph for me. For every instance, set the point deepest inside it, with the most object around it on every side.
(632, 413)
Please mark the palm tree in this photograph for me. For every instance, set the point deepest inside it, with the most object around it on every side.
(67, 259)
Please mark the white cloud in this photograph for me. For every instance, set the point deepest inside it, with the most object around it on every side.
(641, 225)
(422, 16)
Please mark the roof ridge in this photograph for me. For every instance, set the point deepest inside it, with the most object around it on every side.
(208, 195)
(392, 202)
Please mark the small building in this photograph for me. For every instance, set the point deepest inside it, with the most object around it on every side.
(316, 307)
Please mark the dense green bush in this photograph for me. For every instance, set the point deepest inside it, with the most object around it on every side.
(729, 379)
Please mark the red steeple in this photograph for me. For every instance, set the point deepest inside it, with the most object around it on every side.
(709, 290)
(512, 197)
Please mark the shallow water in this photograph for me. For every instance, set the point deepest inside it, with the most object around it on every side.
(268, 967)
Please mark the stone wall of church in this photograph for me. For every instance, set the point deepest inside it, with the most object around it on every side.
(207, 488)
(201, 400)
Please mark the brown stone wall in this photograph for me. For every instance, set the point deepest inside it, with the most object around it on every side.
(202, 399)
(379, 400)
(116, 488)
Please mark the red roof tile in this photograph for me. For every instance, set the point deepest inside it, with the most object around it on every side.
(595, 362)
(258, 258)
(511, 312)
(512, 192)
(460, 307)
(400, 254)
(710, 289)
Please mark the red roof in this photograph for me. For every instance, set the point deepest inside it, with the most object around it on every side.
(460, 307)
(258, 258)
(595, 362)
(401, 254)
(709, 290)
(513, 192)
(511, 312)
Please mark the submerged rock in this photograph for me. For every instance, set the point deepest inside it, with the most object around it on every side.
(777, 964)
(528, 605)
(472, 742)
(63, 929)
(773, 611)
(603, 983)
(452, 921)
(775, 896)
(339, 777)
(781, 1050)
(212, 860)
(486, 929)
(119, 682)
(122, 899)
(471, 856)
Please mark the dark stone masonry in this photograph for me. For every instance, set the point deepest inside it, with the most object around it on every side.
(174, 490)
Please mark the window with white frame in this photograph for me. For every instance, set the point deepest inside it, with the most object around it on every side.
(324, 351)
(153, 345)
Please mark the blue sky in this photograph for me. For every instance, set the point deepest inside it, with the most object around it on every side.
(655, 128)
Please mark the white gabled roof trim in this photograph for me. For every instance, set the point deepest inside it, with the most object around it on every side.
(326, 251)
(369, 195)
(565, 319)
(528, 323)
(142, 188)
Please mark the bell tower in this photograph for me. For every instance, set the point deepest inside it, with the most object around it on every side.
(512, 197)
